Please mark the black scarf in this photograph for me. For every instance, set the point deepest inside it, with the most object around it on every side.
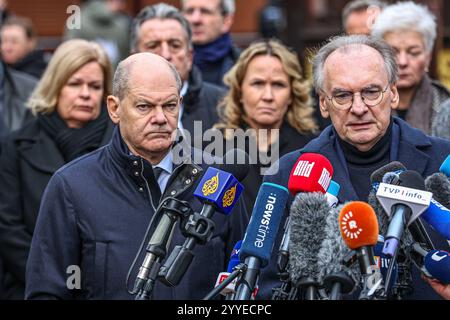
(72, 142)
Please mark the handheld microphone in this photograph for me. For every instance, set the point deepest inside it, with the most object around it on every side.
(308, 213)
(437, 263)
(337, 278)
(311, 173)
(260, 235)
(218, 191)
(383, 262)
(359, 229)
(439, 185)
(404, 203)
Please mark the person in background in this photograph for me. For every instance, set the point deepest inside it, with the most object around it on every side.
(358, 16)
(4, 12)
(441, 123)
(96, 210)
(211, 21)
(101, 24)
(71, 120)
(18, 46)
(411, 30)
(163, 30)
(267, 91)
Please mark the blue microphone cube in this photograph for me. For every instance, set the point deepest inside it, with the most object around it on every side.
(219, 188)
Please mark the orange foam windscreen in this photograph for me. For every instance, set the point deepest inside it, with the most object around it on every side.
(358, 224)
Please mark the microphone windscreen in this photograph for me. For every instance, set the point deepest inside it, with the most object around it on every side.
(411, 179)
(437, 264)
(236, 162)
(377, 175)
(311, 173)
(383, 219)
(445, 167)
(234, 259)
(333, 250)
(264, 223)
(439, 185)
(308, 220)
(358, 224)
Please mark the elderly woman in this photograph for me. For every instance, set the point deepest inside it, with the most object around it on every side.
(411, 30)
(71, 120)
(268, 98)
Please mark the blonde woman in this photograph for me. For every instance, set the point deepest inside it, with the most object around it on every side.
(71, 120)
(267, 94)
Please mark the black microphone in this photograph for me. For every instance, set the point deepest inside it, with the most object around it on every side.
(337, 278)
(439, 184)
(308, 214)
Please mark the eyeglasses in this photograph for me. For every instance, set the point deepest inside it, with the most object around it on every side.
(344, 100)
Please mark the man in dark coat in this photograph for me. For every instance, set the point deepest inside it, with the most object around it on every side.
(356, 80)
(96, 210)
(162, 29)
(214, 51)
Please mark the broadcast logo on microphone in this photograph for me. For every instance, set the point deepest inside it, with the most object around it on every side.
(349, 226)
(304, 169)
(265, 221)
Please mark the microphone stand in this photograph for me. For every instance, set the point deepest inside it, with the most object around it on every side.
(238, 270)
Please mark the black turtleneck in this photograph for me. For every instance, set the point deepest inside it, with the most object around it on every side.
(361, 164)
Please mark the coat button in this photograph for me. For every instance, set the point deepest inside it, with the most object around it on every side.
(136, 174)
(141, 189)
(194, 171)
(173, 193)
(188, 181)
(135, 163)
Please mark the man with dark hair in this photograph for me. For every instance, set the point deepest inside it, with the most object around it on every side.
(211, 21)
(358, 16)
(162, 29)
(355, 77)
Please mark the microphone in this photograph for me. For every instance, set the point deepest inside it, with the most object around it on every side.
(218, 191)
(229, 290)
(437, 263)
(383, 262)
(359, 229)
(439, 185)
(311, 173)
(445, 167)
(260, 235)
(337, 278)
(308, 213)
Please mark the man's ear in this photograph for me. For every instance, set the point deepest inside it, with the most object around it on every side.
(323, 106)
(395, 100)
(227, 23)
(112, 103)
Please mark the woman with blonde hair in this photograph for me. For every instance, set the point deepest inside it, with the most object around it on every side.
(269, 98)
(71, 120)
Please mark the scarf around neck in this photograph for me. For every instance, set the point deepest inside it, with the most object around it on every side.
(212, 52)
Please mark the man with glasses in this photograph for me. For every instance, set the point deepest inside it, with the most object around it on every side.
(211, 21)
(355, 77)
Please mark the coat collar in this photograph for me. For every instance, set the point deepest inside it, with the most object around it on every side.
(406, 147)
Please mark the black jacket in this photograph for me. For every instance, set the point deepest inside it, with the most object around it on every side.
(410, 146)
(94, 215)
(17, 88)
(29, 159)
(200, 104)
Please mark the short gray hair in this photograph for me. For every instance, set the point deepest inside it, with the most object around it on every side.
(336, 43)
(122, 75)
(227, 7)
(407, 16)
(360, 5)
(158, 11)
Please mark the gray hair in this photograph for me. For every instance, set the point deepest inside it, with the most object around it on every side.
(340, 42)
(227, 7)
(407, 16)
(122, 75)
(158, 11)
(360, 5)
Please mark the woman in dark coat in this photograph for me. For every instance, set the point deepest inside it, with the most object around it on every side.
(70, 122)
(270, 101)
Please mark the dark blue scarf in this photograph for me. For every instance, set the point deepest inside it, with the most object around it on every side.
(212, 52)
